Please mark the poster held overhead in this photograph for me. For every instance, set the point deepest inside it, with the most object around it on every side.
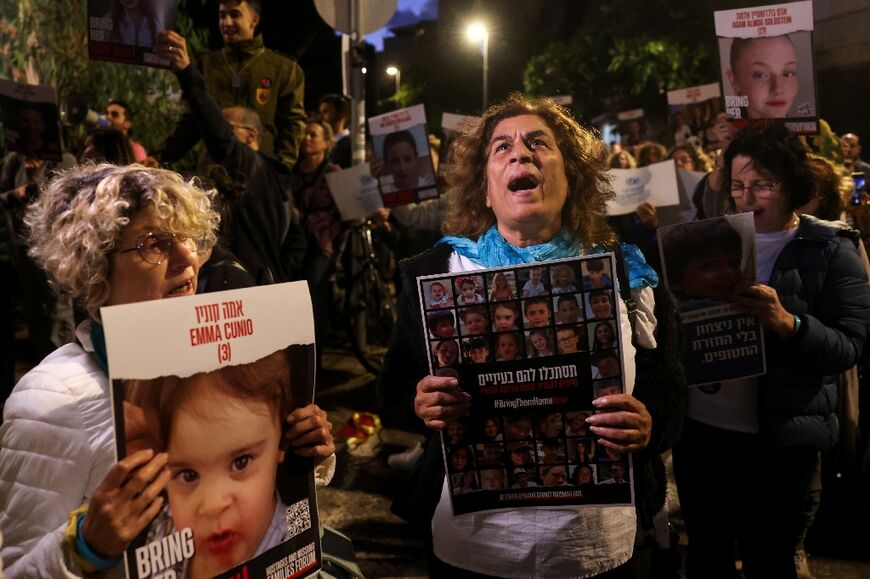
(124, 31)
(401, 140)
(30, 118)
(766, 59)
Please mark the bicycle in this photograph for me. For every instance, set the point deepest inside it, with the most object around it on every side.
(368, 304)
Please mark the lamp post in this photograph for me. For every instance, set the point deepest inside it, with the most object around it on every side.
(394, 71)
(477, 32)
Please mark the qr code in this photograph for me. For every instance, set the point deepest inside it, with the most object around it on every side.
(298, 518)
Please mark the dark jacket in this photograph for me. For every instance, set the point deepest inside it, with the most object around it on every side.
(660, 384)
(269, 83)
(818, 276)
(263, 218)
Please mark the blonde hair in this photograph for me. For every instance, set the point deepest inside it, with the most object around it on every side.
(584, 213)
(75, 224)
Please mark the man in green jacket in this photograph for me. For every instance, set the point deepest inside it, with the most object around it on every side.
(246, 73)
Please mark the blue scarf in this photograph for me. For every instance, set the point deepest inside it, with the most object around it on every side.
(492, 250)
(98, 339)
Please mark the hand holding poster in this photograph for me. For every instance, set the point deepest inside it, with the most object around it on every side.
(766, 56)
(691, 110)
(210, 380)
(533, 346)
(401, 141)
(125, 30)
(705, 263)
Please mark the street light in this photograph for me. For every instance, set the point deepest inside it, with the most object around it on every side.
(394, 71)
(477, 32)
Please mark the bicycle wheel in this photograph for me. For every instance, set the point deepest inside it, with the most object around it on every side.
(372, 308)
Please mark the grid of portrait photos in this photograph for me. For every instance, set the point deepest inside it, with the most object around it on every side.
(531, 333)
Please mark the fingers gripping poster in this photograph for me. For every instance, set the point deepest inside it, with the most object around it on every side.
(209, 380)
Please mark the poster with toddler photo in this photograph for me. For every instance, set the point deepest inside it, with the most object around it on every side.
(125, 31)
(215, 381)
(517, 340)
(401, 143)
(704, 264)
(30, 119)
(766, 60)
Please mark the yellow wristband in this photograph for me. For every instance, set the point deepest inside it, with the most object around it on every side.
(71, 535)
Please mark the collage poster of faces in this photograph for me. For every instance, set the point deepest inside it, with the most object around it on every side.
(704, 263)
(533, 345)
(401, 140)
(125, 31)
(766, 57)
(209, 380)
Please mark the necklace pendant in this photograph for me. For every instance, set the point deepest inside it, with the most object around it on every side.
(237, 82)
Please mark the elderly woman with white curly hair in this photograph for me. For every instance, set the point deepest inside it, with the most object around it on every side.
(106, 235)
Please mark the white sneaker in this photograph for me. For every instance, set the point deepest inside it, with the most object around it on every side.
(407, 459)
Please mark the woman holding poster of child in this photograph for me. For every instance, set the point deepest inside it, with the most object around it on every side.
(531, 186)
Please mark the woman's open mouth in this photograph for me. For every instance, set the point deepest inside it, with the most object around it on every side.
(184, 289)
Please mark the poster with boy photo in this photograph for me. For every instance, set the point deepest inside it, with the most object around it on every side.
(704, 263)
(527, 364)
(214, 381)
(400, 140)
(766, 60)
(125, 31)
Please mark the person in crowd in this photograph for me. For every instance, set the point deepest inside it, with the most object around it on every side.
(57, 441)
(851, 145)
(536, 145)
(690, 158)
(107, 145)
(621, 160)
(120, 117)
(263, 229)
(244, 73)
(334, 110)
(765, 71)
(832, 191)
(651, 153)
(710, 198)
(813, 301)
(680, 129)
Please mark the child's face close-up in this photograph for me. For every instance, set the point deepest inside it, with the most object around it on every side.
(604, 334)
(436, 291)
(568, 312)
(608, 367)
(600, 305)
(223, 457)
(468, 291)
(596, 277)
(563, 276)
(539, 342)
(713, 275)
(567, 340)
(445, 329)
(535, 275)
(447, 352)
(479, 355)
(538, 314)
(507, 347)
(459, 459)
(475, 323)
(505, 318)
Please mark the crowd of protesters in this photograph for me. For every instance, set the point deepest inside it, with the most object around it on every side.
(272, 219)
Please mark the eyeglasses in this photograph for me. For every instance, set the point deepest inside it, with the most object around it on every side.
(155, 247)
(760, 189)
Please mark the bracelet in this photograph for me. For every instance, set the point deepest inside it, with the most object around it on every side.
(89, 561)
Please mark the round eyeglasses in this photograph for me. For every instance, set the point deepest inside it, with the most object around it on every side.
(155, 247)
(760, 189)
